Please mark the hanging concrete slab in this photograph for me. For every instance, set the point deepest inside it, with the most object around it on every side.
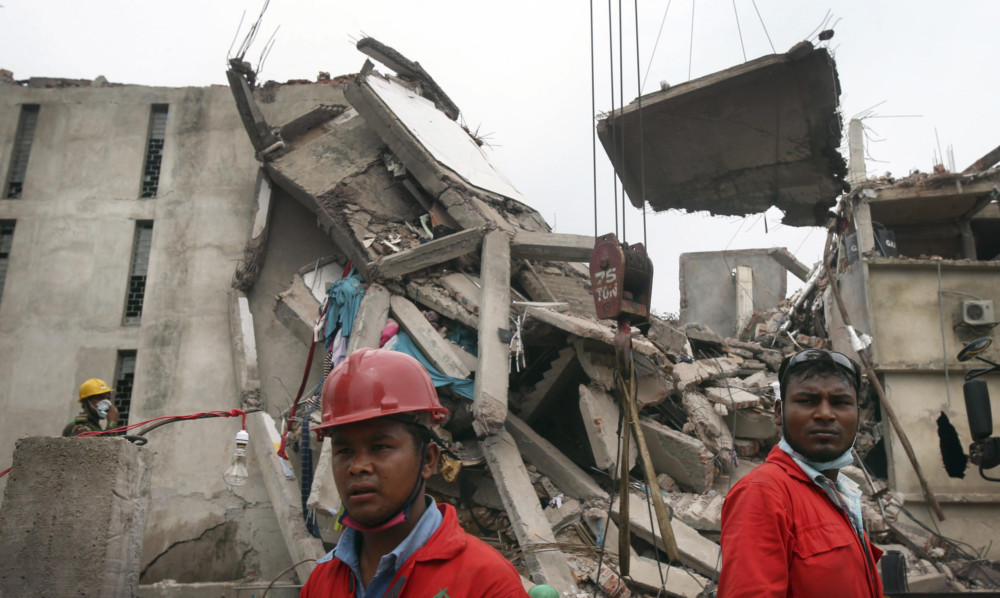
(738, 141)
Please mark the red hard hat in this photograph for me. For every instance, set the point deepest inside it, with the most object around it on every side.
(373, 383)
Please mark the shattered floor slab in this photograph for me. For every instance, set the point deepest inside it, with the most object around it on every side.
(738, 141)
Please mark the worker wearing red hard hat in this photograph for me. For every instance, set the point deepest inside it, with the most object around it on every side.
(378, 410)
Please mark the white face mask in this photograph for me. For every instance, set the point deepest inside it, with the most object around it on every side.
(103, 407)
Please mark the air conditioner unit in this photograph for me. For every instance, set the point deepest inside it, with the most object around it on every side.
(978, 313)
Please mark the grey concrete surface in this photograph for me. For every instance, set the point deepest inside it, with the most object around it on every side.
(72, 518)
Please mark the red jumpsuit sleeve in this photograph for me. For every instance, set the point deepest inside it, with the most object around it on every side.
(756, 542)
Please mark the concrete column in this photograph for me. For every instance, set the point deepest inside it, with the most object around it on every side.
(73, 517)
(489, 408)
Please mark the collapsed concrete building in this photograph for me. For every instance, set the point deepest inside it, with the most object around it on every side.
(372, 172)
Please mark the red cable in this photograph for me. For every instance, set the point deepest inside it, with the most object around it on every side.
(230, 413)
(204, 414)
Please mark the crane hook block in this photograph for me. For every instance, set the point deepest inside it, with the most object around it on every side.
(621, 276)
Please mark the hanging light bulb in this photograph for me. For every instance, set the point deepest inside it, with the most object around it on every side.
(236, 474)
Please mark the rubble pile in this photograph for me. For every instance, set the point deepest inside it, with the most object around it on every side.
(451, 265)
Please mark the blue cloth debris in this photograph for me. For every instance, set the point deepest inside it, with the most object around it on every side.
(465, 388)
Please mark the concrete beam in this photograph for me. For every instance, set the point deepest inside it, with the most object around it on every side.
(688, 375)
(696, 552)
(436, 349)
(393, 59)
(489, 406)
(731, 397)
(370, 319)
(253, 254)
(551, 246)
(682, 457)
(431, 296)
(744, 297)
(587, 328)
(790, 262)
(260, 133)
(282, 490)
(527, 519)
(427, 254)
(298, 309)
(551, 462)
(857, 172)
(708, 424)
(600, 418)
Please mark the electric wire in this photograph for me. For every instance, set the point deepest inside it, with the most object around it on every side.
(593, 111)
(691, 41)
(642, 149)
(621, 113)
(740, 30)
(763, 26)
(655, 45)
(614, 138)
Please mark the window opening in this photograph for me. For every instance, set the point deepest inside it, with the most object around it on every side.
(22, 148)
(6, 241)
(137, 272)
(124, 377)
(154, 150)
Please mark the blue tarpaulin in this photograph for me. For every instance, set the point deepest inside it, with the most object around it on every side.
(404, 344)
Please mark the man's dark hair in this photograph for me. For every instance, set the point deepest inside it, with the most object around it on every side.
(816, 363)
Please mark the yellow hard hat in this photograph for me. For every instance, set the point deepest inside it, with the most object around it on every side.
(94, 386)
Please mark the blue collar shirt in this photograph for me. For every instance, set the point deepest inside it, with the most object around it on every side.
(388, 565)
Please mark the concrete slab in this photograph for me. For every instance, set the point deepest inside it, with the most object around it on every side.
(680, 456)
(701, 554)
(755, 424)
(600, 418)
(732, 398)
(689, 375)
(721, 142)
(549, 460)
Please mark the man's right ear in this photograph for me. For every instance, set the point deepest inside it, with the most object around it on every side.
(777, 413)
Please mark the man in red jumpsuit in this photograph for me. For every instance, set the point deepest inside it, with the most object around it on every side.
(378, 410)
(793, 526)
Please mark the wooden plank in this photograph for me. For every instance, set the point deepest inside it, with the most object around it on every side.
(527, 519)
(551, 246)
(489, 405)
(426, 255)
(437, 350)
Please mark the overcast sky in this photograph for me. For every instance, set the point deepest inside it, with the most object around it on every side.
(520, 72)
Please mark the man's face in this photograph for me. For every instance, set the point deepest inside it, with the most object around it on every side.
(819, 416)
(375, 466)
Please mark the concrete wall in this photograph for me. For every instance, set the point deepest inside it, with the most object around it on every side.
(61, 310)
(708, 286)
(908, 352)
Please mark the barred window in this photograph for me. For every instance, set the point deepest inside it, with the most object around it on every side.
(6, 240)
(124, 377)
(22, 148)
(154, 150)
(136, 293)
